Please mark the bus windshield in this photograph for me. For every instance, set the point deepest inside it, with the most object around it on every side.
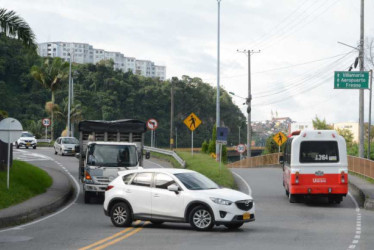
(112, 155)
(319, 151)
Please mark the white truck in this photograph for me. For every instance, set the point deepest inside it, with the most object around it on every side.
(106, 147)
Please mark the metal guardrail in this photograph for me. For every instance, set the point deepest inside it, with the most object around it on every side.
(44, 140)
(167, 152)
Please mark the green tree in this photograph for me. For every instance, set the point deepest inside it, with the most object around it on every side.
(35, 127)
(204, 147)
(75, 112)
(212, 141)
(271, 146)
(15, 27)
(321, 124)
(224, 153)
(347, 134)
(51, 74)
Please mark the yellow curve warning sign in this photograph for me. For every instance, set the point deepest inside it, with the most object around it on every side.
(280, 138)
(192, 122)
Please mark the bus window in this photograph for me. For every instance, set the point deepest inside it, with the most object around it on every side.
(319, 151)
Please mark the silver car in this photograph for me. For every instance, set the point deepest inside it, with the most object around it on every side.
(65, 145)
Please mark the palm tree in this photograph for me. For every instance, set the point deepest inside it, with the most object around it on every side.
(15, 27)
(75, 112)
(51, 74)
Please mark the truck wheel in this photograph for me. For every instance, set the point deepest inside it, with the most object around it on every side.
(120, 214)
(87, 197)
(291, 198)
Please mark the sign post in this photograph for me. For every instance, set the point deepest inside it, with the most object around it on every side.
(46, 123)
(192, 122)
(10, 131)
(351, 80)
(221, 140)
(152, 124)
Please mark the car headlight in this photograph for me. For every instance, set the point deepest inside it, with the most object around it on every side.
(221, 201)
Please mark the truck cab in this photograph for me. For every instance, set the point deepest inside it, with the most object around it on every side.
(106, 147)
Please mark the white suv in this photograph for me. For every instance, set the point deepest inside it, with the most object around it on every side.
(26, 140)
(175, 195)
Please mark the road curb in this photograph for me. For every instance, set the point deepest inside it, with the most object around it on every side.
(362, 199)
(54, 198)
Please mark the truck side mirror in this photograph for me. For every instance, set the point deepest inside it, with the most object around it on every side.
(147, 155)
(281, 159)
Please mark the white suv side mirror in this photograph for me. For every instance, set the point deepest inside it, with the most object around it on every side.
(173, 188)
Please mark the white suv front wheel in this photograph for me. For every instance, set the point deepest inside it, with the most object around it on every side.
(201, 218)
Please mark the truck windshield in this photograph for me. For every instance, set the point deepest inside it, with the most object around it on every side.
(112, 155)
(319, 151)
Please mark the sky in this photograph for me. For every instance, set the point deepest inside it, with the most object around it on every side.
(297, 41)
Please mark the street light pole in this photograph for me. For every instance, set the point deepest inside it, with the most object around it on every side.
(171, 113)
(69, 95)
(218, 74)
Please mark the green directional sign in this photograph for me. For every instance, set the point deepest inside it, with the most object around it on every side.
(351, 80)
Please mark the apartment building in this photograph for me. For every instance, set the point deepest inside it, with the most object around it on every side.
(85, 53)
(351, 126)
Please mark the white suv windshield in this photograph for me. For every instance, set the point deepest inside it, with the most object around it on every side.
(26, 135)
(196, 181)
(112, 155)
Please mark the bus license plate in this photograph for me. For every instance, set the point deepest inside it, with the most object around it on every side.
(246, 216)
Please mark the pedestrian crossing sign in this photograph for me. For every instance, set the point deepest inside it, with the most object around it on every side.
(192, 122)
(280, 138)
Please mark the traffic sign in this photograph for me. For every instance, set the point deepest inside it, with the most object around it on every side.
(152, 124)
(241, 148)
(192, 122)
(351, 80)
(10, 130)
(280, 138)
(46, 122)
(222, 135)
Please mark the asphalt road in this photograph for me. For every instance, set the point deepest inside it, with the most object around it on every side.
(278, 225)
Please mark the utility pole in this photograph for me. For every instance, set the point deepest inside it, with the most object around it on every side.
(218, 74)
(361, 91)
(172, 113)
(249, 100)
(369, 127)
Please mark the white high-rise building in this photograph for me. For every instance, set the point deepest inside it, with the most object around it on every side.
(85, 53)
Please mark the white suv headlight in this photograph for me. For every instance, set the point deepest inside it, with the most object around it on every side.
(221, 201)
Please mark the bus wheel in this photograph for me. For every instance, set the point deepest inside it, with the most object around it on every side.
(291, 198)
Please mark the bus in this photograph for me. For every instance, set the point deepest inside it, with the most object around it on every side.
(315, 164)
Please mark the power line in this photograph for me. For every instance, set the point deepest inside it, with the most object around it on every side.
(299, 25)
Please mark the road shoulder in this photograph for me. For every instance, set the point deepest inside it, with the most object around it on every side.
(57, 195)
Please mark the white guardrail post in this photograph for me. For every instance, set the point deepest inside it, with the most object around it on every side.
(166, 152)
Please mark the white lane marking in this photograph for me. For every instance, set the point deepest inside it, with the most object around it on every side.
(154, 163)
(357, 235)
(246, 183)
(53, 214)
